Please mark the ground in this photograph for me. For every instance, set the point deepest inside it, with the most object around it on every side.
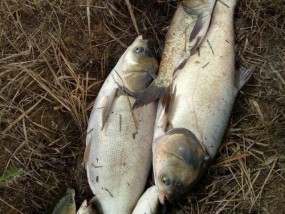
(55, 56)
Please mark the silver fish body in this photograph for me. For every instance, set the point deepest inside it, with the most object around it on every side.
(188, 136)
(118, 143)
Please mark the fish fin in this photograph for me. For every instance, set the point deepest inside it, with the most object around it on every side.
(242, 76)
(201, 28)
(162, 121)
(167, 104)
(106, 103)
(87, 150)
(150, 94)
(152, 72)
(199, 32)
(197, 28)
(179, 67)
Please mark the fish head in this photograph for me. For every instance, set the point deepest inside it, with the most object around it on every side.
(140, 50)
(140, 65)
(179, 159)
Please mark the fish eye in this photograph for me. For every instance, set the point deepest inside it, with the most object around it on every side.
(139, 50)
(166, 180)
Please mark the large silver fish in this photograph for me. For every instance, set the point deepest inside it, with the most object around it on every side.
(189, 134)
(118, 143)
(184, 36)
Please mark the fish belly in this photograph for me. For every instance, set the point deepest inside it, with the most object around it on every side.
(120, 155)
(205, 89)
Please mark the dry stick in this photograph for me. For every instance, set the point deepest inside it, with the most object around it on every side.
(277, 73)
(21, 116)
(19, 147)
(47, 62)
(131, 11)
(111, 34)
(10, 206)
(70, 69)
(231, 159)
(32, 74)
(88, 16)
(154, 32)
(23, 53)
(263, 185)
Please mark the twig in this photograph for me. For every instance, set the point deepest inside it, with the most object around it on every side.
(131, 11)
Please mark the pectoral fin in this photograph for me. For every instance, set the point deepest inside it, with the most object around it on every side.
(199, 32)
(87, 150)
(152, 72)
(106, 104)
(149, 95)
(201, 27)
(167, 108)
(243, 75)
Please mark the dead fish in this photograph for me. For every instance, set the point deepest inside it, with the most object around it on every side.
(118, 143)
(184, 36)
(188, 135)
(66, 205)
(148, 203)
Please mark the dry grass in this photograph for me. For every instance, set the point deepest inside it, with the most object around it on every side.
(54, 57)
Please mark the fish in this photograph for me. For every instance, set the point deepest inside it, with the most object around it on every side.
(66, 205)
(148, 203)
(188, 135)
(118, 151)
(185, 34)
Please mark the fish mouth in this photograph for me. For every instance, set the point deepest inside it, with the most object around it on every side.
(140, 37)
(162, 198)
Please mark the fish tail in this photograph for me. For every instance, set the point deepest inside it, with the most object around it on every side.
(153, 92)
